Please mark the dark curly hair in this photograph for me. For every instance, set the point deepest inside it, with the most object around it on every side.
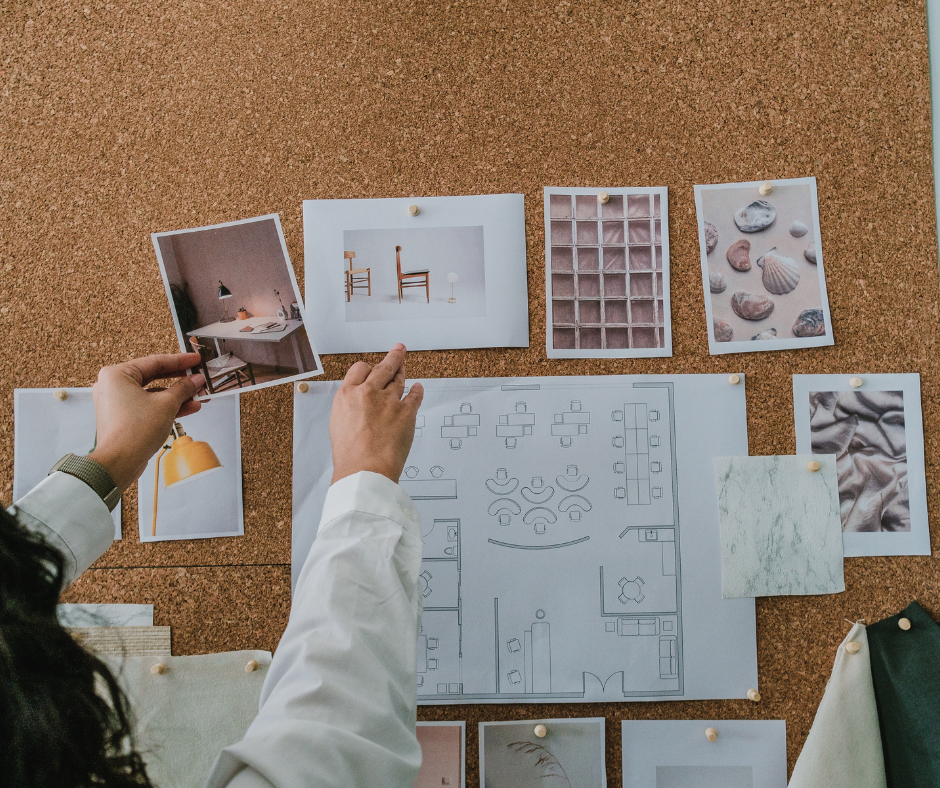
(64, 721)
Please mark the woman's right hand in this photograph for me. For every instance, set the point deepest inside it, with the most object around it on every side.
(372, 426)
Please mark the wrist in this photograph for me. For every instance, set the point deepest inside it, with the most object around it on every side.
(119, 468)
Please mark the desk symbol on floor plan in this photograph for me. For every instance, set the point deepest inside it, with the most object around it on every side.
(513, 426)
(461, 425)
(571, 423)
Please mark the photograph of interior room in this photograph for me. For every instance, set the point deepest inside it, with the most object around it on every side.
(226, 279)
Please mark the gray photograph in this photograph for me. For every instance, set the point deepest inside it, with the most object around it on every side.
(866, 432)
(426, 272)
(704, 777)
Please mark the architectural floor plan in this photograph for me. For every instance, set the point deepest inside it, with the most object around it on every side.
(571, 541)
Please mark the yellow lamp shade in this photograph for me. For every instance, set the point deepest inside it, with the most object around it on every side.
(187, 459)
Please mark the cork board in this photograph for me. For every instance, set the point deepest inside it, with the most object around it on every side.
(123, 119)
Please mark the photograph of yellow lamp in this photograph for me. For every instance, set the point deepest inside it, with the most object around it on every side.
(183, 461)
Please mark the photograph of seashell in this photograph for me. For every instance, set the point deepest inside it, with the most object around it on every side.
(762, 268)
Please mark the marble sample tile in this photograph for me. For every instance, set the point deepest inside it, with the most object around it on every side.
(93, 615)
(781, 533)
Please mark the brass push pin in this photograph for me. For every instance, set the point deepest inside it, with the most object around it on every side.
(303, 388)
(711, 734)
(753, 694)
(852, 647)
(813, 465)
(414, 210)
(61, 394)
(252, 666)
(855, 383)
(734, 379)
(541, 731)
(766, 188)
(904, 623)
(159, 669)
(603, 198)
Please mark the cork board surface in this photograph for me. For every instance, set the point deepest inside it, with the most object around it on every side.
(118, 120)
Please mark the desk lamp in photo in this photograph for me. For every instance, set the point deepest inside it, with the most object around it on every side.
(452, 278)
(184, 460)
(224, 294)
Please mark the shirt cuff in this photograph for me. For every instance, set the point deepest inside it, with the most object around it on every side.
(370, 493)
(70, 515)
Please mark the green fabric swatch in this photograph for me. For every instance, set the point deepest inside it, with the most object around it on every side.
(905, 670)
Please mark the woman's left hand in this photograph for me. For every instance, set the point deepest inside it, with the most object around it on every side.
(134, 421)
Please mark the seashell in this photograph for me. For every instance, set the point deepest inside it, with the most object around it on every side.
(781, 274)
(810, 323)
(739, 255)
(722, 330)
(810, 253)
(798, 229)
(751, 306)
(770, 333)
(711, 237)
(757, 216)
(717, 283)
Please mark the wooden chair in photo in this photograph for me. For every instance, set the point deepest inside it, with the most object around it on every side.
(411, 278)
(222, 372)
(357, 277)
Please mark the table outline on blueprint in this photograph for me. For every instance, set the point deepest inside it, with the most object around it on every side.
(571, 580)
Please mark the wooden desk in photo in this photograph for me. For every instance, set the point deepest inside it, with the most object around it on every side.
(233, 330)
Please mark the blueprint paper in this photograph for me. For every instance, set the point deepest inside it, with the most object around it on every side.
(209, 504)
(570, 754)
(780, 530)
(607, 273)
(479, 241)
(185, 717)
(98, 615)
(571, 539)
(876, 432)
(443, 761)
(677, 754)
(45, 430)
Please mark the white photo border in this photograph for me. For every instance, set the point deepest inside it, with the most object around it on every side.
(917, 541)
(760, 744)
(546, 722)
(19, 443)
(750, 346)
(625, 191)
(154, 237)
(143, 538)
(502, 217)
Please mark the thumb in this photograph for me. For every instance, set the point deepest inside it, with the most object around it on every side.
(414, 398)
(185, 389)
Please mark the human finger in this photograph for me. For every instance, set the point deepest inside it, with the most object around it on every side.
(414, 397)
(160, 365)
(397, 384)
(189, 408)
(185, 389)
(384, 372)
(357, 374)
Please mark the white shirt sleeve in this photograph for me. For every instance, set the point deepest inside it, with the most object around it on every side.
(71, 516)
(339, 702)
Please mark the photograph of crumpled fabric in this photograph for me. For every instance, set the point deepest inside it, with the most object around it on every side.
(865, 430)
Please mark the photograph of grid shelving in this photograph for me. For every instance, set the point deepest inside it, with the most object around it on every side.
(608, 273)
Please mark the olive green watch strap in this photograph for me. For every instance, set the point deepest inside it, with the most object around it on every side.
(93, 474)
